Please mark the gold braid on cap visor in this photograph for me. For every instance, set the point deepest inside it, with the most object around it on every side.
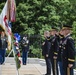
(66, 28)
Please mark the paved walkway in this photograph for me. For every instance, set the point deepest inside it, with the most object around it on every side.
(34, 66)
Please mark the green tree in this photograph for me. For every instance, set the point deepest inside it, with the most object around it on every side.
(35, 16)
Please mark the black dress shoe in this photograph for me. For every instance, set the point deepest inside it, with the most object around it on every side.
(24, 63)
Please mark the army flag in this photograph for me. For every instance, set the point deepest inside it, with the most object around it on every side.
(4, 24)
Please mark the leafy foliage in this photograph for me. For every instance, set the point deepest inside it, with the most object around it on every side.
(36, 16)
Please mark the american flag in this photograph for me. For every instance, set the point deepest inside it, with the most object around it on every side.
(8, 25)
(13, 11)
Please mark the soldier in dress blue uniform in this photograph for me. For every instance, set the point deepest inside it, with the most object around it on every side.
(53, 53)
(45, 52)
(68, 51)
(3, 46)
(25, 49)
(61, 39)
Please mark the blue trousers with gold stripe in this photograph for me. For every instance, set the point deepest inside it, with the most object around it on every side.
(67, 70)
(2, 54)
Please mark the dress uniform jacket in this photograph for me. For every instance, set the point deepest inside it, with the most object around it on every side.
(25, 45)
(68, 54)
(54, 52)
(46, 47)
(54, 47)
(68, 50)
(60, 51)
(3, 43)
(61, 39)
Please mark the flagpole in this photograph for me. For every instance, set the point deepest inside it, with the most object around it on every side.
(10, 53)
